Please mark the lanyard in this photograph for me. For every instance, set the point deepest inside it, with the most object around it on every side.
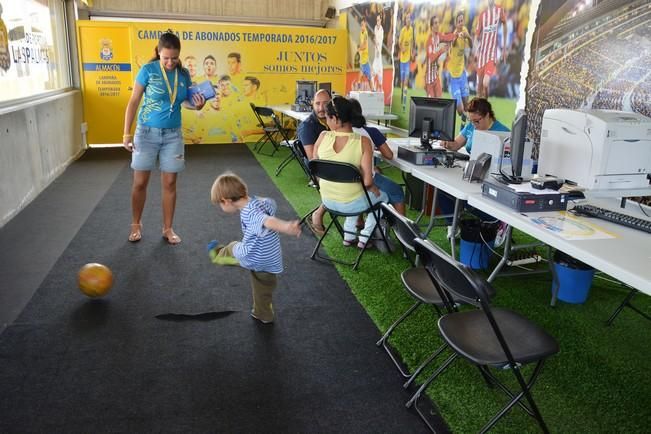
(171, 94)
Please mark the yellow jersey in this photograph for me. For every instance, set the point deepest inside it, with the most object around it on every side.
(363, 40)
(456, 56)
(406, 41)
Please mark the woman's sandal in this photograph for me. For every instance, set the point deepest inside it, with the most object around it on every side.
(318, 230)
(136, 232)
(170, 236)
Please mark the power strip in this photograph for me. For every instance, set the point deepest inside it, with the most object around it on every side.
(525, 261)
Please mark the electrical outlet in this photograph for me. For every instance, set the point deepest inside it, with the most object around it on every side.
(84, 128)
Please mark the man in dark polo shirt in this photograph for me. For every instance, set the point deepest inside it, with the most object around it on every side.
(308, 132)
(310, 128)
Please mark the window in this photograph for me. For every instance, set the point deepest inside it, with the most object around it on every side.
(33, 48)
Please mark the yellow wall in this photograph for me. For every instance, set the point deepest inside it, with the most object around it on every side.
(112, 53)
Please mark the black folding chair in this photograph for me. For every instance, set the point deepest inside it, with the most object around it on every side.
(303, 161)
(486, 337)
(261, 125)
(335, 171)
(416, 282)
(270, 130)
(627, 303)
(301, 156)
(286, 142)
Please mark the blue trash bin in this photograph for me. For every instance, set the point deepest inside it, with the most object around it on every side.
(477, 240)
(474, 255)
(573, 279)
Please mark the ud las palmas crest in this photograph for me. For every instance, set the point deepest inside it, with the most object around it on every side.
(106, 53)
(5, 62)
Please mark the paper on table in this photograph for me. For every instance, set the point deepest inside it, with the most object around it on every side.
(571, 228)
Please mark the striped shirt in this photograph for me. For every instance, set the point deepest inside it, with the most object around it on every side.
(432, 71)
(259, 249)
(433, 54)
(489, 23)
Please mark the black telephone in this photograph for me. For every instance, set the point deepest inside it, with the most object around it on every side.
(476, 170)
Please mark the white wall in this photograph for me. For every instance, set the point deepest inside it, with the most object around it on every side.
(37, 142)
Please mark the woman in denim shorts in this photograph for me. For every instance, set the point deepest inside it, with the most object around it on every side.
(164, 83)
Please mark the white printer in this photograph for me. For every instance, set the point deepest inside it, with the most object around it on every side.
(596, 149)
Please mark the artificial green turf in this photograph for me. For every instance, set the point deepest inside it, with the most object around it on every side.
(597, 383)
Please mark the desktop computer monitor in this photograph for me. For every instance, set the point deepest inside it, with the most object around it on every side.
(327, 87)
(305, 90)
(518, 139)
(432, 118)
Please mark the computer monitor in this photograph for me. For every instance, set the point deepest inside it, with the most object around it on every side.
(327, 87)
(432, 119)
(305, 90)
(518, 139)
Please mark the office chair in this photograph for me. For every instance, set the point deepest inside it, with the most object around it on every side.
(335, 171)
(487, 337)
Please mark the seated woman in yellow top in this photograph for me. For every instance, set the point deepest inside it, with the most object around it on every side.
(343, 145)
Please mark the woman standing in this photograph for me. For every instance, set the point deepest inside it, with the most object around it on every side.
(164, 83)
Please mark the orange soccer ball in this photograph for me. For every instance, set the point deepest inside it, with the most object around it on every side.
(95, 280)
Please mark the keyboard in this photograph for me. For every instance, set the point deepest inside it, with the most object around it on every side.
(614, 217)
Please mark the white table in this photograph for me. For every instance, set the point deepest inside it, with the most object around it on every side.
(449, 180)
(287, 110)
(386, 117)
(626, 258)
(301, 116)
(399, 163)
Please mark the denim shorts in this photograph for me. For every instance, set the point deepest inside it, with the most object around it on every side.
(164, 144)
(390, 187)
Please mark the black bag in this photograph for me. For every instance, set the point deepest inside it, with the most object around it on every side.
(477, 231)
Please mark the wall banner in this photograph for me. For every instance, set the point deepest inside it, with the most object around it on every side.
(451, 49)
(595, 56)
(245, 64)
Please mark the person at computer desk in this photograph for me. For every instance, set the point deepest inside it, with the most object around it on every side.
(308, 132)
(342, 144)
(387, 185)
(482, 118)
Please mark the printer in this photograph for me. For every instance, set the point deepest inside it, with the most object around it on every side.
(596, 149)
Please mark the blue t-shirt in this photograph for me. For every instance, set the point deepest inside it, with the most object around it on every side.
(309, 130)
(155, 108)
(376, 136)
(259, 249)
(469, 130)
